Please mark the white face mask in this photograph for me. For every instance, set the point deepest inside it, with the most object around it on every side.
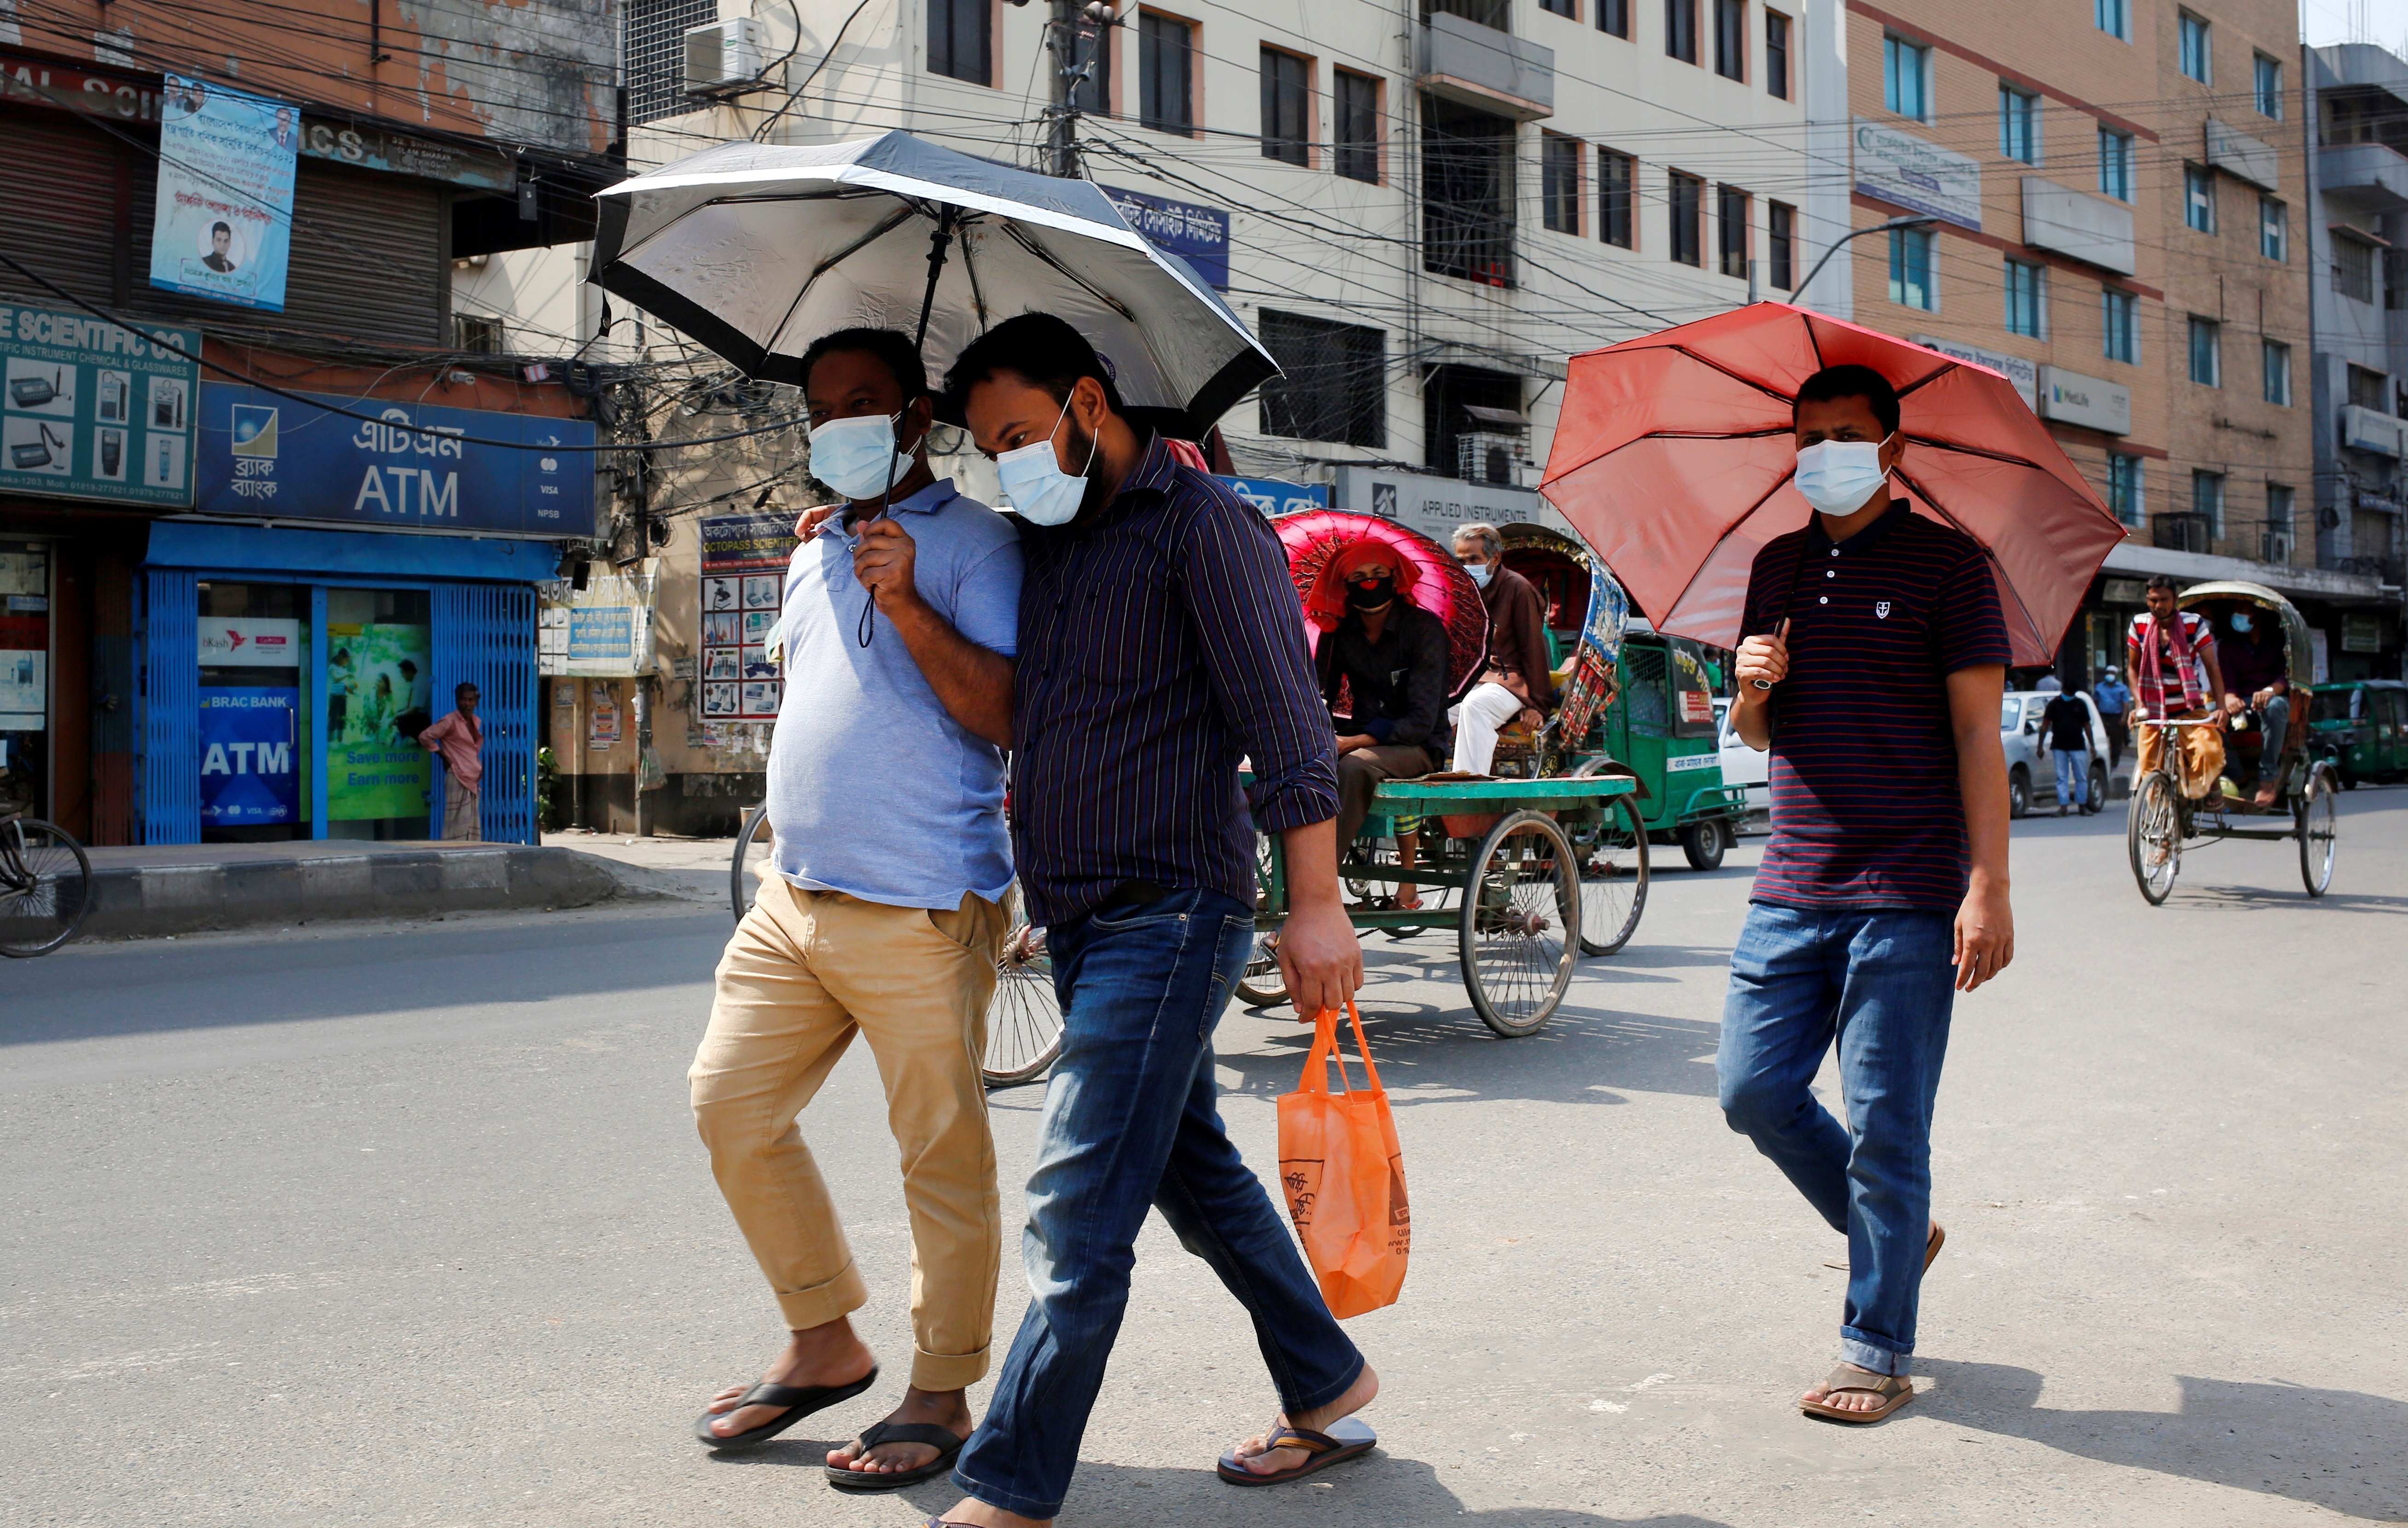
(1481, 572)
(1837, 477)
(857, 456)
(1034, 484)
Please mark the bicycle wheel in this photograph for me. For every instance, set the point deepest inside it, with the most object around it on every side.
(1612, 854)
(1024, 1018)
(1262, 985)
(2153, 835)
(1520, 935)
(753, 841)
(45, 887)
(2317, 816)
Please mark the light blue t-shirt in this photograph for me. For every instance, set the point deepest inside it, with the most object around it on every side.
(874, 790)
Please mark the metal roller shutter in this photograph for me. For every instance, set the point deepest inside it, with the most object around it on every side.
(484, 634)
(60, 216)
(170, 779)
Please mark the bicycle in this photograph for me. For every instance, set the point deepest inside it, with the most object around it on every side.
(45, 887)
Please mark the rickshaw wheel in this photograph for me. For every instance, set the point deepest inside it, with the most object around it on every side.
(1519, 940)
(1612, 854)
(1023, 1017)
(2317, 817)
(1253, 990)
(2153, 832)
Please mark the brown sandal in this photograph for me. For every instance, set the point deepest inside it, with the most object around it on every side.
(1345, 1438)
(1895, 1390)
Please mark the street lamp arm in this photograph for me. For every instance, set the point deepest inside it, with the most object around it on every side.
(1876, 228)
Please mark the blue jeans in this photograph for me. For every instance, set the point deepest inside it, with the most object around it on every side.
(1878, 981)
(2072, 778)
(1133, 1119)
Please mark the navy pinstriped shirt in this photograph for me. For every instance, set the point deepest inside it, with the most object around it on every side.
(1159, 646)
(1866, 810)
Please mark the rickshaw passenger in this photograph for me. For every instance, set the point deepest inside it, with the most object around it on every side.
(1520, 680)
(2257, 680)
(1392, 655)
(2175, 675)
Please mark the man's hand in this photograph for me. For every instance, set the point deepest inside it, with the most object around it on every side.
(1764, 660)
(1348, 743)
(807, 528)
(1320, 959)
(884, 561)
(1985, 933)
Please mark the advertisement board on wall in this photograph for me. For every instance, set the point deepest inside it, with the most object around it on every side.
(379, 690)
(92, 409)
(249, 739)
(1917, 174)
(1198, 235)
(743, 590)
(1273, 496)
(601, 631)
(415, 467)
(224, 224)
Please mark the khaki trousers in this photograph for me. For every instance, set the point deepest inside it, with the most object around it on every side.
(2200, 750)
(804, 971)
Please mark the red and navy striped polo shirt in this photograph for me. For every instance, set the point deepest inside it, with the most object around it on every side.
(1866, 807)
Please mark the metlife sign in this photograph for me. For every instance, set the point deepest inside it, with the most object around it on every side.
(412, 466)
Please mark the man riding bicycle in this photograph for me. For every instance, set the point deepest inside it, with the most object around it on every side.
(2177, 677)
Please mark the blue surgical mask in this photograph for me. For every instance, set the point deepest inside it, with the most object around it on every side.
(857, 456)
(2241, 621)
(1034, 484)
(1837, 477)
(1481, 572)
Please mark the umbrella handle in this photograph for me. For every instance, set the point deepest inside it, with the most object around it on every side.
(936, 245)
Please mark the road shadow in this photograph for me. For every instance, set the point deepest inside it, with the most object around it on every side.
(2250, 899)
(2342, 1450)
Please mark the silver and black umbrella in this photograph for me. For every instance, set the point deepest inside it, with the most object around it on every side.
(756, 250)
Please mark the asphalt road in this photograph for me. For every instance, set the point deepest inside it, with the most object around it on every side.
(408, 1225)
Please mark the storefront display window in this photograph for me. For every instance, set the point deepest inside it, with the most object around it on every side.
(379, 695)
(24, 676)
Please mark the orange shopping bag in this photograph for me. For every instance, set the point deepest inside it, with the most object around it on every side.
(1345, 1176)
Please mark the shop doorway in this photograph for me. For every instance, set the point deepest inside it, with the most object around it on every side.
(379, 695)
(252, 641)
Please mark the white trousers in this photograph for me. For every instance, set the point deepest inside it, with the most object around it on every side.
(1482, 714)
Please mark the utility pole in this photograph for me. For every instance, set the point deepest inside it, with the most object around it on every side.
(1071, 19)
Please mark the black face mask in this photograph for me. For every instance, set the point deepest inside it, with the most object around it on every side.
(1369, 593)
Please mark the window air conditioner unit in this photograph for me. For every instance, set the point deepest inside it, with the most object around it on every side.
(722, 57)
(1491, 457)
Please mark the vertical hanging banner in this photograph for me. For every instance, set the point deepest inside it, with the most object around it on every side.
(224, 224)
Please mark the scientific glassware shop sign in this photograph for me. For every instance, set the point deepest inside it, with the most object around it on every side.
(93, 410)
(224, 224)
(412, 466)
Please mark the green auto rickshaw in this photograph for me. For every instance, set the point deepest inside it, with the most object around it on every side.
(2361, 725)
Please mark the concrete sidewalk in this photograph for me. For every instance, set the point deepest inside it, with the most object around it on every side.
(146, 891)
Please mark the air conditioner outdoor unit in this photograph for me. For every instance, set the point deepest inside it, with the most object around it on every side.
(1491, 457)
(722, 57)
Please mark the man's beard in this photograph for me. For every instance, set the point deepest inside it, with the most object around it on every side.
(1083, 449)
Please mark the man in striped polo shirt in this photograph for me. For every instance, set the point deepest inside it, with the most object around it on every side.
(1871, 663)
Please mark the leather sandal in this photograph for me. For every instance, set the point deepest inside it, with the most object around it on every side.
(1895, 1390)
(1346, 1438)
(947, 1449)
(799, 1402)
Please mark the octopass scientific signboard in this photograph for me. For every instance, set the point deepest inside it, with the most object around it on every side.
(1917, 174)
(412, 466)
(93, 410)
(224, 222)
(744, 561)
(251, 740)
(1198, 235)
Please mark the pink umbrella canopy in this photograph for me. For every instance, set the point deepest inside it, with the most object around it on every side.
(1320, 542)
(1674, 452)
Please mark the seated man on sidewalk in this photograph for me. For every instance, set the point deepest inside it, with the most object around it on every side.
(883, 918)
(1390, 657)
(1519, 682)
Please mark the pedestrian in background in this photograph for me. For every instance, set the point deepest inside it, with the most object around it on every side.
(2115, 698)
(459, 740)
(1873, 660)
(2066, 722)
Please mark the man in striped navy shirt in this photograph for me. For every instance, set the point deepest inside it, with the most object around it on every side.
(1160, 642)
(1871, 663)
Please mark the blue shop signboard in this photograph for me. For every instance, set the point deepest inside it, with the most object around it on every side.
(1198, 235)
(1273, 496)
(263, 457)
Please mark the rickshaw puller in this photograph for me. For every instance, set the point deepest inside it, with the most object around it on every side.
(2175, 672)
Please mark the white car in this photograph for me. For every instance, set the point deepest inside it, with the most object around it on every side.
(1748, 769)
(2032, 773)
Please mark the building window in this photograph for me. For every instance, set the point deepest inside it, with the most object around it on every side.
(2019, 125)
(2120, 313)
(1334, 382)
(2207, 498)
(2274, 229)
(1166, 73)
(2026, 291)
(2198, 61)
(2368, 389)
(1906, 77)
(2124, 490)
(2352, 267)
(1559, 182)
(1730, 39)
(2116, 165)
(1467, 193)
(2395, 278)
(961, 39)
(1776, 55)
(1561, 7)
(2206, 352)
(2276, 359)
(653, 46)
(1685, 199)
(1491, 13)
(1615, 199)
(2270, 87)
(2199, 198)
(1681, 30)
(1781, 245)
(1614, 16)
(2112, 17)
(1356, 149)
(1730, 230)
(1287, 107)
(480, 335)
(2277, 546)
(1911, 273)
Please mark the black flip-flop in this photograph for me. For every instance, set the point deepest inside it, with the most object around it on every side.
(1346, 1437)
(940, 1438)
(799, 1402)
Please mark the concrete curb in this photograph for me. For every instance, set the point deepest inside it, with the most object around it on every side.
(143, 901)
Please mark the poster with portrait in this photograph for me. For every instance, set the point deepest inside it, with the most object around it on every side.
(223, 229)
(744, 565)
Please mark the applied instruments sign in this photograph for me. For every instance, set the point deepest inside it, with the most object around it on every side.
(92, 409)
(1917, 174)
(224, 224)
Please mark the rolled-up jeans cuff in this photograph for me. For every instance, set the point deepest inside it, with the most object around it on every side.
(948, 1371)
(804, 1309)
(1007, 1501)
(1864, 1355)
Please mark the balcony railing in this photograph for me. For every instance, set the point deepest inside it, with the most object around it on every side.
(2183, 531)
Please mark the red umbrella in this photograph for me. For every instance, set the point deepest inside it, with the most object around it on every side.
(1673, 456)
(1318, 541)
